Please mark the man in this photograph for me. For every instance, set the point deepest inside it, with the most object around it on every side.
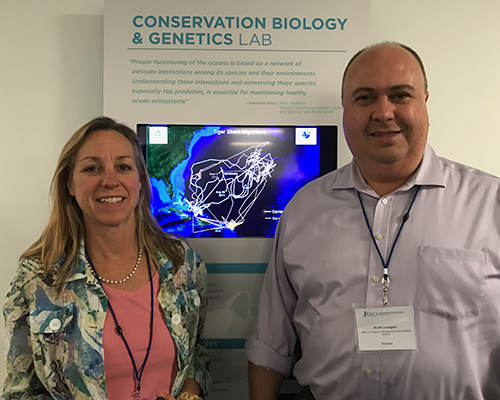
(384, 282)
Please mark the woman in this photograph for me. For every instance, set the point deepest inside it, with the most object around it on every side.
(105, 304)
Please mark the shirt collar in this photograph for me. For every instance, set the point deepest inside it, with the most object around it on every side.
(82, 271)
(428, 173)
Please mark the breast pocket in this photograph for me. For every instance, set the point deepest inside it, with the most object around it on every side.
(53, 320)
(52, 341)
(451, 282)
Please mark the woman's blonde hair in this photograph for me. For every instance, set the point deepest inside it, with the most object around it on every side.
(65, 229)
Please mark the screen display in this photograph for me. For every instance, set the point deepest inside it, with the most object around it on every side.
(231, 181)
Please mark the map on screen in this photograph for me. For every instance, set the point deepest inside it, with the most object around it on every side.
(229, 181)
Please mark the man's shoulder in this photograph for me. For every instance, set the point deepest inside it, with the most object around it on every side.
(455, 170)
(328, 181)
(320, 189)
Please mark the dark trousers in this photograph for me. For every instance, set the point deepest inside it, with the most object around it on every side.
(305, 394)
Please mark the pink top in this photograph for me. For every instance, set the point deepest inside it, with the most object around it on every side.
(132, 311)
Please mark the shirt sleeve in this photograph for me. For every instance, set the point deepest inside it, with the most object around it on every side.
(199, 368)
(20, 379)
(273, 342)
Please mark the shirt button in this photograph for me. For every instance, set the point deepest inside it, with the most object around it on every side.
(376, 279)
(176, 318)
(369, 372)
(379, 237)
(55, 324)
(384, 201)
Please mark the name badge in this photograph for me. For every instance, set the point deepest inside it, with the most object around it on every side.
(387, 328)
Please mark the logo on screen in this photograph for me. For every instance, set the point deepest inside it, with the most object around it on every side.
(158, 135)
(306, 136)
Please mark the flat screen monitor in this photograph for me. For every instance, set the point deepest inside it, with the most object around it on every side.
(231, 181)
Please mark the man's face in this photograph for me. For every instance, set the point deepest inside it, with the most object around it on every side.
(385, 110)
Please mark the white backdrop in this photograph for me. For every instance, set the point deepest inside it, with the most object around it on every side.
(51, 83)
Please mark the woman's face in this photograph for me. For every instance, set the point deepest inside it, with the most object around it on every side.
(105, 180)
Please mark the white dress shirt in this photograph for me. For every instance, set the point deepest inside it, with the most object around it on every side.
(446, 265)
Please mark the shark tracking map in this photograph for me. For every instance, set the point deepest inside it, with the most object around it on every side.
(215, 181)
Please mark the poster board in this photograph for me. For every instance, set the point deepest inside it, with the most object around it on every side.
(230, 62)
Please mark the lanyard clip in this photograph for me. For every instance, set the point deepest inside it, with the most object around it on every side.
(137, 392)
(385, 289)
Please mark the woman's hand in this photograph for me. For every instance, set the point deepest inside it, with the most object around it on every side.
(190, 386)
(166, 396)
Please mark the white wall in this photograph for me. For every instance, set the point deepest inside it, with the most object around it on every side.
(459, 42)
(51, 83)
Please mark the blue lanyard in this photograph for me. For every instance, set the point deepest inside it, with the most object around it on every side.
(385, 264)
(138, 372)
